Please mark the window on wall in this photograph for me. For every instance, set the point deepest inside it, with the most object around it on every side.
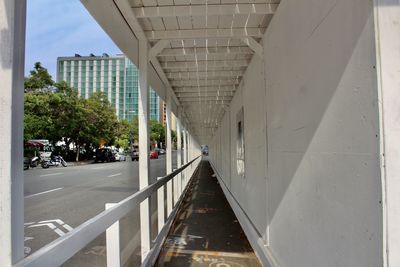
(240, 142)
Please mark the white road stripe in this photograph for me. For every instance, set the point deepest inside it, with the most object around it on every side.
(41, 193)
(51, 226)
(98, 168)
(59, 232)
(51, 174)
(69, 228)
(113, 175)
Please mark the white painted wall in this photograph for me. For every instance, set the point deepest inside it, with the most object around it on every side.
(318, 186)
(12, 47)
(387, 26)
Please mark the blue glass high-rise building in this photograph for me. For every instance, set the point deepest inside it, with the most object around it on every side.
(116, 77)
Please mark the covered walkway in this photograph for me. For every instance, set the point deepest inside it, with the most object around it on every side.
(298, 102)
(206, 231)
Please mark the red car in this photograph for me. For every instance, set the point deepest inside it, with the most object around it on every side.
(153, 154)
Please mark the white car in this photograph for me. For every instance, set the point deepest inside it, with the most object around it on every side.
(120, 157)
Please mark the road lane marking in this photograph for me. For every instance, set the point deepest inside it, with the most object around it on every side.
(60, 222)
(55, 225)
(113, 175)
(45, 192)
(98, 168)
(51, 226)
(51, 174)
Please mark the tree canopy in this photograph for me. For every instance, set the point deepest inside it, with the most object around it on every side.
(61, 115)
(39, 79)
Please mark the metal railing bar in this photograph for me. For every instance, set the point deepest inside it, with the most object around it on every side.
(152, 256)
(63, 248)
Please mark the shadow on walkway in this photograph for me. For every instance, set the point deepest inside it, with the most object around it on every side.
(206, 231)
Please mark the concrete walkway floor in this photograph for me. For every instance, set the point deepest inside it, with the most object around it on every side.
(206, 231)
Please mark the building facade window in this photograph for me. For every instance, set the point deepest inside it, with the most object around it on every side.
(116, 76)
(240, 148)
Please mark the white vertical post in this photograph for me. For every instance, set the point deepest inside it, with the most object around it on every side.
(12, 53)
(190, 153)
(169, 155)
(178, 154)
(175, 179)
(160, 207)
(112, 242)
(144, 146)
(387, 29)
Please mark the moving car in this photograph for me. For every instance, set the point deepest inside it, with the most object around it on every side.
(103, 155)
(120, 156)
(135, 154)
(153, 154)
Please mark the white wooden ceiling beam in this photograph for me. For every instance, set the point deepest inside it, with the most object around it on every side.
(205, 82)
(206, 101)
(204, 68)
(208, 57)
(130, 18)
(158, 48)
(206, 97)
(254, 45)
(208, 78)
(204, 88)
(202, 74)
(213, 94)
(195, 94)
(204, 10)
(218, 50)
(205, 33)
(204, 64)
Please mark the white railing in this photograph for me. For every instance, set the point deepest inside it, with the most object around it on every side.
(63, 248)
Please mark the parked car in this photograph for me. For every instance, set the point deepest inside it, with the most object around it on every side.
(103, 155)
(120, 156)
(153, 154)
(161, 151)
(135, 154)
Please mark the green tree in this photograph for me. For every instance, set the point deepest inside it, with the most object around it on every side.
(122, 135)
(134, 130)
(39, 79)
(65, 116)
(39, 119)
(157, 132)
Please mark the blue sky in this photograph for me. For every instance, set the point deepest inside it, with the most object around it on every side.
(62, 28)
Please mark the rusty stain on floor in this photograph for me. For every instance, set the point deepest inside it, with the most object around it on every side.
(206, 232)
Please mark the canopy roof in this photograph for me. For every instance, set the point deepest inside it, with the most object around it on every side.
(200, 49)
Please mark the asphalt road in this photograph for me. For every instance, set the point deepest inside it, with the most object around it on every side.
(59, 199)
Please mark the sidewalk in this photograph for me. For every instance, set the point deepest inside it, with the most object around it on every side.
(206, 231)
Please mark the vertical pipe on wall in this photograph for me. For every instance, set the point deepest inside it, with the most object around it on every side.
(12, 56)
(144, 146)
(169, 155)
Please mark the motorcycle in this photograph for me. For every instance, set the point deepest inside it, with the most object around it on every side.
(54, 161)
(34, 162)
(31, 163)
